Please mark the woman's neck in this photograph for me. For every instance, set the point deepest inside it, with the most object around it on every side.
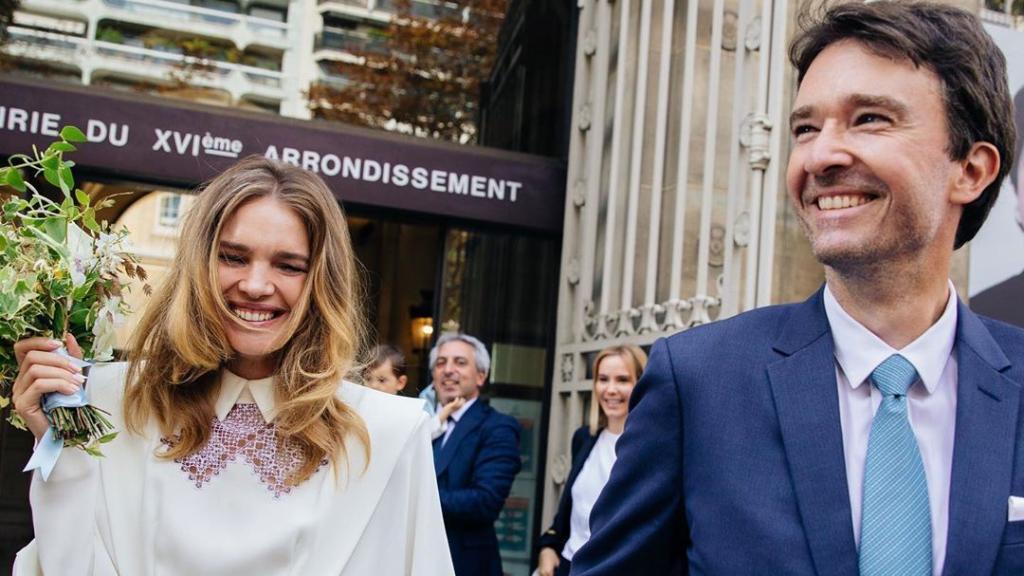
(616, 425)
(252, 368)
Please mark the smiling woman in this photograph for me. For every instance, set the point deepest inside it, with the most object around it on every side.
(616, 370)
(232, 400)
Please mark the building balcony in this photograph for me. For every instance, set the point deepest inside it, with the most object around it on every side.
(45, 47)
(365, 10)
(422, 8)
(95, 58)
(382, 10)
(350, 41)
(1002, 18)
(242, 29)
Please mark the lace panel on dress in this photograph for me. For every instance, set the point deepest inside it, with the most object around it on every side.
(244, 432)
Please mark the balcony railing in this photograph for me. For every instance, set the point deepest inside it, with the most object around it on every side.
(204, 66)
(422, 8)
(363, 4)
(1001, 18)
(142, 62)
(184, 13)
(351, 41)
(27, 37)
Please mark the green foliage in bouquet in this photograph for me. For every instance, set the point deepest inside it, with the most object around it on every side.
(61, 272)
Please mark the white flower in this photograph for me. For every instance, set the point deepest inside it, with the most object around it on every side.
(80, 254)
(105, 329)
(108, 253)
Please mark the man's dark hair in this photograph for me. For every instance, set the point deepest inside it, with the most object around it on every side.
(951, 43)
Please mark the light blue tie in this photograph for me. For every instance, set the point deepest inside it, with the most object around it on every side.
(896, 526)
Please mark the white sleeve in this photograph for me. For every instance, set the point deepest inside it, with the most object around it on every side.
(426, 543)
(64, 520)
(64, 508)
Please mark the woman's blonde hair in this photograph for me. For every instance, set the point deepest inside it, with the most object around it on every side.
(635, 359)
(180, 344)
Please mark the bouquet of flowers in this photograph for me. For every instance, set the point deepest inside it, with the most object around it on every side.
(61, 272)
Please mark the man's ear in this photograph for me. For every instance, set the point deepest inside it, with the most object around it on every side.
(978, 169)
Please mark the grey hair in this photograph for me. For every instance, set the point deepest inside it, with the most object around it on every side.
(481, 357)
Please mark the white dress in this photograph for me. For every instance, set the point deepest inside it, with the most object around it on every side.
(227, 509)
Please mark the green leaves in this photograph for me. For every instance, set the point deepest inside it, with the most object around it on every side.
(61, 147)
(72, 134)
(60, 271)
(12, 177)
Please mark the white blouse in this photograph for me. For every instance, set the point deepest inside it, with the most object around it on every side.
(587, 487)
(228, 510)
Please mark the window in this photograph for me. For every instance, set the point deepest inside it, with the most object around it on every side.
(169, 211)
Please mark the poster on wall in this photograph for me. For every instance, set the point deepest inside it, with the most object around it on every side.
(996, 281)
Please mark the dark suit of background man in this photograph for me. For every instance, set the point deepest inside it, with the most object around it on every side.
(1005, 300)
(779, 441)
(476, 459)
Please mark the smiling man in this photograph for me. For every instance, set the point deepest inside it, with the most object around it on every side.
(476, 459)
(872, 429)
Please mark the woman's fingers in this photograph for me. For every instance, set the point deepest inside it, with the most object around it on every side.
(27, 402)
(42, 371)
(72, 345)
(42, 364)
(23, 347)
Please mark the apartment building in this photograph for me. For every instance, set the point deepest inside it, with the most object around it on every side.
(260, 55)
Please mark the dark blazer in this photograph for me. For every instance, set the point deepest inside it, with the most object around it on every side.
(732, 458)
(1004, 301)
(475, 469)
(558, 534)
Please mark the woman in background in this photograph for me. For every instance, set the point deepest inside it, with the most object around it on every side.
(241, 450)
(386, 372)
(616, 371)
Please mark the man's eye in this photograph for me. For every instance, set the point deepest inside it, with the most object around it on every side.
(801, 129)
(870, 118)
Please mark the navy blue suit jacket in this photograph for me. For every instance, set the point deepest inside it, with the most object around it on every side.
(732, 458)
(475, 469)
(558, 534)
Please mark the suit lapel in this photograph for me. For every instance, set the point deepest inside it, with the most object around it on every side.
(986, 430)
(469, 422)
(806, 401)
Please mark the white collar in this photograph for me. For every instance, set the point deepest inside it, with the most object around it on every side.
(458, 414)
(235, 389)
(859, 351)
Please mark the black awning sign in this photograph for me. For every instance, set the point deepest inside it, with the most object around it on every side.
(150, 138)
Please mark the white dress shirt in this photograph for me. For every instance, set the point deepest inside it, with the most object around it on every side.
(587, 487)
(932, 407)
(134, 513)
(456, 416)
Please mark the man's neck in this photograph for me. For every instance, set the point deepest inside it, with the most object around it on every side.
(895, 305)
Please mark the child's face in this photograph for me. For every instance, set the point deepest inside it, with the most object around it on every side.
(383, 378)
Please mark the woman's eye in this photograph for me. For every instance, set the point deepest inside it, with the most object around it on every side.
(291, 269)
(231, 259)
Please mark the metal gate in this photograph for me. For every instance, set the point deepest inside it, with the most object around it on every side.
(673, 181)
